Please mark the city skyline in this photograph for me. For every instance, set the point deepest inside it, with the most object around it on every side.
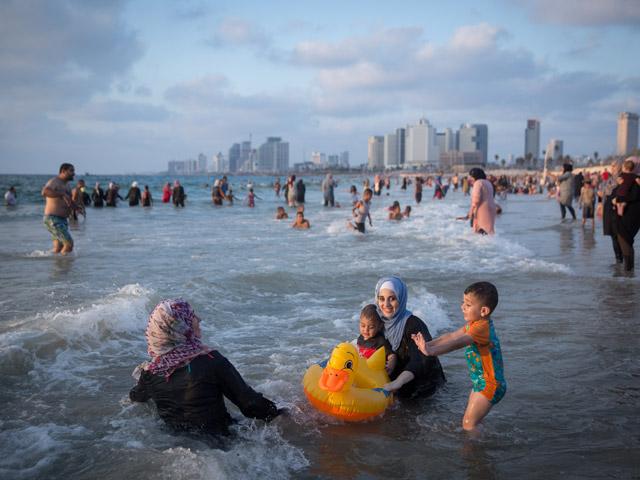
(122, 86)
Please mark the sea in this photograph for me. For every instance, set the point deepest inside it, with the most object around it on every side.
(274, 300)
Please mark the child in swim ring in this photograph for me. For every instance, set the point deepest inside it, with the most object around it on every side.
(483, 353)
(371, 337)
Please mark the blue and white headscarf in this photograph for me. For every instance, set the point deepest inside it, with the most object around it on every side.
(394, 326)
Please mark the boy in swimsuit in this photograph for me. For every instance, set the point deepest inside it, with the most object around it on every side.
(361, 211)
(483, 353)
(371, 337)
(300, 222)
(58, 207)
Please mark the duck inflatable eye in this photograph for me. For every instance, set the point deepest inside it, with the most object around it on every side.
(348, 364)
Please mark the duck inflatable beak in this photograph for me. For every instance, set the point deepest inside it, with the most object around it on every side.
(332, 379)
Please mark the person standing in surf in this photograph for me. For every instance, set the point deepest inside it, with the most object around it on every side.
(59, 206)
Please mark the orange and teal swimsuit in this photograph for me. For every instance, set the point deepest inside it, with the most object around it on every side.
(485, 361)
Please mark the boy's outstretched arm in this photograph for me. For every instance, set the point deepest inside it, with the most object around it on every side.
(445, 344)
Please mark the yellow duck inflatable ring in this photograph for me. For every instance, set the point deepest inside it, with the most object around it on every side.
(348, 386)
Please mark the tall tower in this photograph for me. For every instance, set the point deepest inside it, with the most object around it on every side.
(474, 137)
(532, 138)
(627, 132)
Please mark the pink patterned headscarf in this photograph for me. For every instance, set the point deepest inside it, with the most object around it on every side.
(171, 338)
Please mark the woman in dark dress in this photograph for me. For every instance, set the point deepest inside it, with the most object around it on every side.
(415, 374)
(609, 224)
(629, 223)
(188, 380)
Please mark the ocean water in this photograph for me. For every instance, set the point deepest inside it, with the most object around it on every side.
(274, 300)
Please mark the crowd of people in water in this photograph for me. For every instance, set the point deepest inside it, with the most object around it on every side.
(612, 195)
(182, 367)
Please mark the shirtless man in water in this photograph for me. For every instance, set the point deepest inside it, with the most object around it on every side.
(58, 208)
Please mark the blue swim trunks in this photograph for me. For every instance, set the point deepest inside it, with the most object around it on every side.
(58, 228)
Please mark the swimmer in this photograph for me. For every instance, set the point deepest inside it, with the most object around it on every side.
(361, 211)
(281, 215)
(58, 207)
(300, 222)
(407, 211)
(396, 214)
(483, 353)
(251, 198)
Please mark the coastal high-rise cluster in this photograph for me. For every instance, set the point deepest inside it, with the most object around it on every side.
(421, 146)
(271, 156)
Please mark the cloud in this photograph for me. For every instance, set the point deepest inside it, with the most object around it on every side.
(587, 12)
(118, 111)
(239, 32)
(385, 43)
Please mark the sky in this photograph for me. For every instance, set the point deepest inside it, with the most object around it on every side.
(117, 86)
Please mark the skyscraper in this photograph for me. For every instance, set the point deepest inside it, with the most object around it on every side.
(532, 138)
(421, 145)
(376, 152)
(627, 132)
(555, 149)
(273, 155)
(474, 137)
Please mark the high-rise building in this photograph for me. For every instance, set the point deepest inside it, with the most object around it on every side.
(202, 162)
(390, 150)
(555, 149)
(400, 146)
(627, 132)
(344, 159)
(474, 137)
(317, 158)
(421, 147)
(233, 156)
(532, 138)
(446, 141)
(376, 152)
(273, 155)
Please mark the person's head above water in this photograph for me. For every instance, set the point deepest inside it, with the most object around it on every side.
(173, 337)
(391, 299)
(477, 174)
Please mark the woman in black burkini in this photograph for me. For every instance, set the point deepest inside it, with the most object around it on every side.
(609, 223)
(187, 380)
(628, 223)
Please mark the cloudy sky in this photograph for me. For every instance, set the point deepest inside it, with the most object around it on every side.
(119, 86)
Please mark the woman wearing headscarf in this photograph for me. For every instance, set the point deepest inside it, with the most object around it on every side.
(565, 186)
(291, 191)
(166, 193)
(98, 196)
(188, 380)
(628, 223)
(178, 194)
(415, 374)
(606, 194)
(134, 195)
(483, 209)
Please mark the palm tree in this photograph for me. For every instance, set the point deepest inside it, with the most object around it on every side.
(503, 161)
(595, 156)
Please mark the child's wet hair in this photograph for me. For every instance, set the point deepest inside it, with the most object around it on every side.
(485, 292)
(370, 312)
